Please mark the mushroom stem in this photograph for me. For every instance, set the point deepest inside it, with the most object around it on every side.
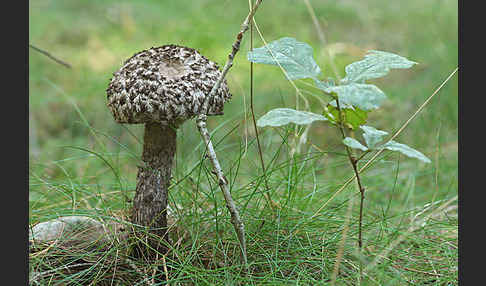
(153, 179)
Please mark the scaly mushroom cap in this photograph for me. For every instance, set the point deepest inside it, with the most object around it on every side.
(167, 84)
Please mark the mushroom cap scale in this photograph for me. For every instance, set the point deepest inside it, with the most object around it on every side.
(166, 84)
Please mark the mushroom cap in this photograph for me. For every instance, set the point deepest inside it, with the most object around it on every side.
(166, 84)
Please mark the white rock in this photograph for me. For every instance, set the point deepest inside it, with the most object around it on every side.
(75, 231)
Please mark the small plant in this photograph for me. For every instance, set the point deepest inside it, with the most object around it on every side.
(352, 98)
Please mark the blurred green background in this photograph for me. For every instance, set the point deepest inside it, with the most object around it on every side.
(76, 148)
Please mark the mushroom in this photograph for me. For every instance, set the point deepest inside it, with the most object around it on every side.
(161, 87)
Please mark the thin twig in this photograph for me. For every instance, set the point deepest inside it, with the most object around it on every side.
(423, 105)
(354, 164)
(50, 56)
(223, 184)
(265, 194)
(231, 56)
(201, 125)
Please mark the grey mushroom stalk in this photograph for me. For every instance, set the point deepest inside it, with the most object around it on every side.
(162, 87)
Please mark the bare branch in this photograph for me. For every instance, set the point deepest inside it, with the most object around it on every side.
(231, 56)
(50, 56)
(223, 184)
(201, 125)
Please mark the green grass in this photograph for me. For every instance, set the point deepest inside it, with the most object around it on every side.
(82, 162)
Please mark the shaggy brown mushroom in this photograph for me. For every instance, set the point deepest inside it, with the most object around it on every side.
(161, 87)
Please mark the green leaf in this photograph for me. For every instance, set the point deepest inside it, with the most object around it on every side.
(405, 150)
(294, 57)
(323, 85)
(363, 96)
(284, 116)
(353, 143)
(375, 64)
(353, 117)
(372, 136)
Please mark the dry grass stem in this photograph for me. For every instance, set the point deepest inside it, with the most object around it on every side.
(340, 251)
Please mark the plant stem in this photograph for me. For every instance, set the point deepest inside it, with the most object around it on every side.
(266, 195)
(354, 163)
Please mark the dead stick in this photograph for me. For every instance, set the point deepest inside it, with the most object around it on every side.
(223, 184)
(50, 56)
(201, 125)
